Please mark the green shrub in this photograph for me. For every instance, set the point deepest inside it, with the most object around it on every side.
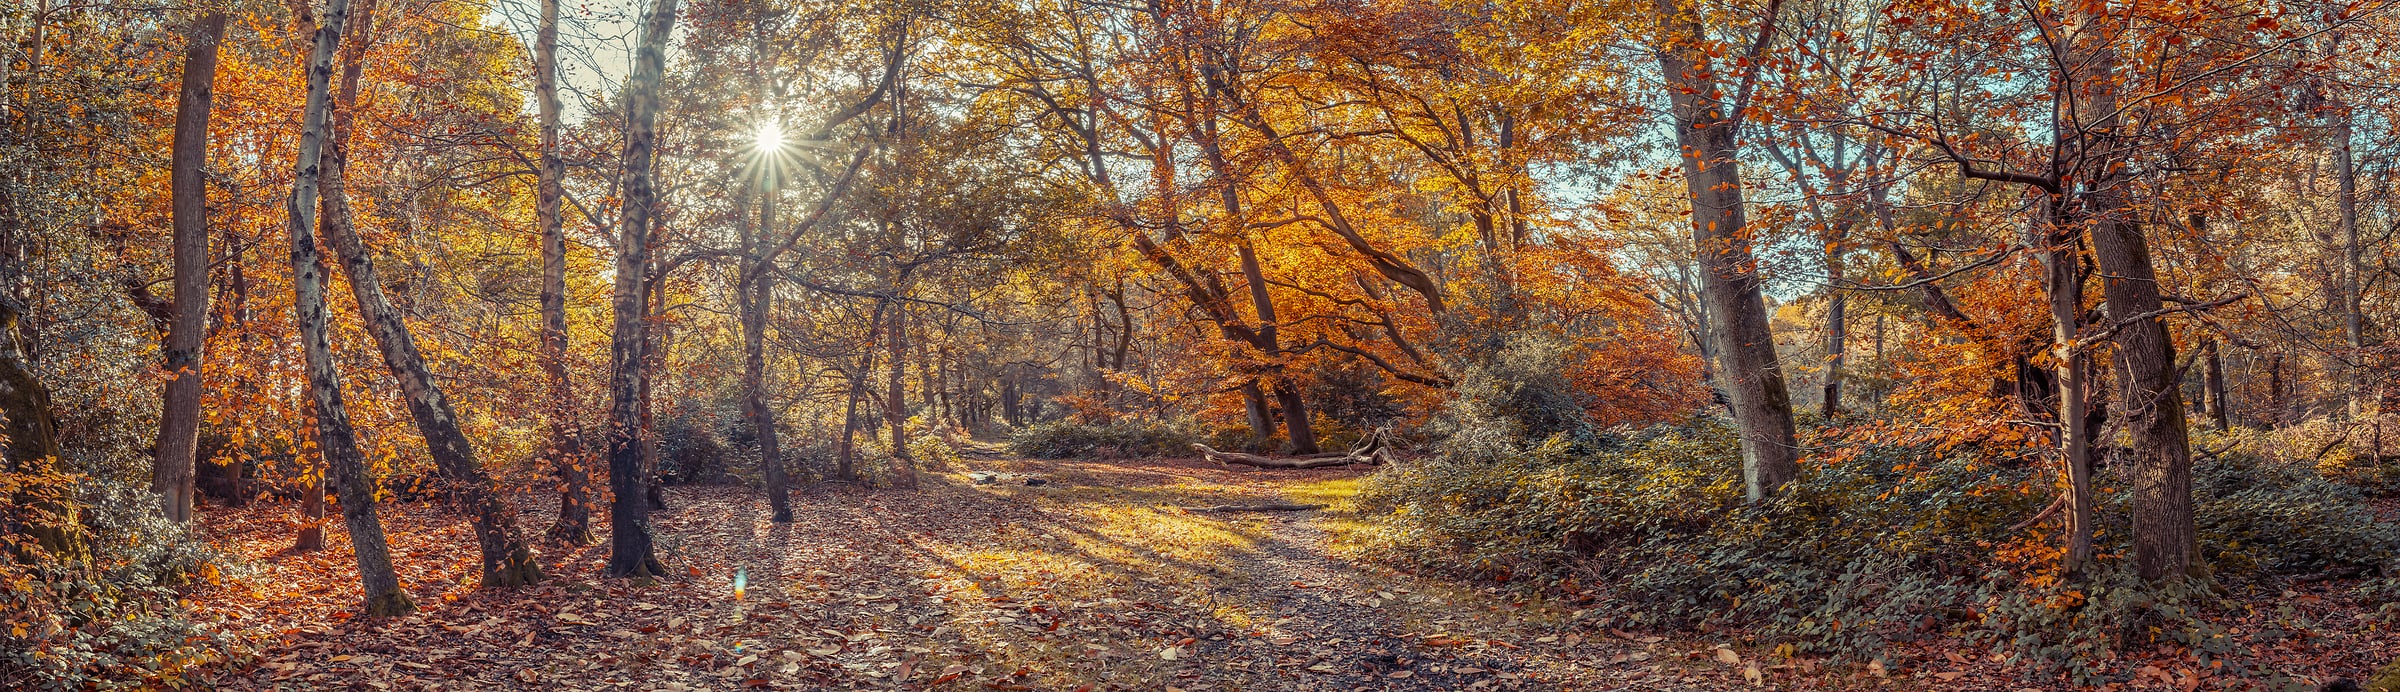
(1121, 438)
(2263, 517)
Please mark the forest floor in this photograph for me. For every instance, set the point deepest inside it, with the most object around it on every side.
(1101, 577)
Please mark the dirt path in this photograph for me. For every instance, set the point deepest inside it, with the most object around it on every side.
(1095, 576)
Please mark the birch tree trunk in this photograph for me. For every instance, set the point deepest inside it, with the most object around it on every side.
(336, 440)
(567, 455)
(630, 553)
(1753, 377)
(179, 423)
(507, 561)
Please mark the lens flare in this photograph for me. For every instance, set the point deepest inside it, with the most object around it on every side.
(770, 137)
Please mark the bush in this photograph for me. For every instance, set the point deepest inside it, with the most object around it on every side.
(1891, 544)
(2260, 517)
(693, 448)
(114, 619)
(1121, 438)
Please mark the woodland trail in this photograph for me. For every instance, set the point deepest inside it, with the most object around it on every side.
(1096, 578)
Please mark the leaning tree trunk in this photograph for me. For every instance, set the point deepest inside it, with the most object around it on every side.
(1298, 429)
(507, 561)
(336, 440)
(754, 306)
(2165, 537)
(567, 457)
(179, 422)
(630, 553)
(1762, 406)
(1262, 420)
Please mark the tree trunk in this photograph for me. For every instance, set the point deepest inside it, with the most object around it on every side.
(630, 553)
(2353, 318)
(179, 422)
(31, 446)
(1262, 421)
(2064, 288)
(758, 294)
(336, 440)
(1297, 428)
(507, 561)
(1762, 405)
(656, 333)
(567, 456)
(896, 407)
(2150, 398)
(1837, 344)
(2212, 387)
(846, 460)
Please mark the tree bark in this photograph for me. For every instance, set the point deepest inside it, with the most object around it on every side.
(31, 446)
(179, 423)
(1298, 429)
(846, 459)
(758, 296)
(507, 560)
(567, 456)
(1837, 344)
(2212, 387)
(336, 439)
(2353, 317)
(630, 553)
(1762, 405)
(655, 333)
(2150, 395)
(2064, 287)
(1262, 420)
(896, 399)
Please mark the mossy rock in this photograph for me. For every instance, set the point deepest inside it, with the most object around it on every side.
(2385, 680)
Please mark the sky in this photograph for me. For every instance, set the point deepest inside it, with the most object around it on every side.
(595, 45)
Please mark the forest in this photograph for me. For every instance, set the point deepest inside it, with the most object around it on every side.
(1313, 345)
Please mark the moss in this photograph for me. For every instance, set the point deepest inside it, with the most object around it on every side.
(393, 604)
(2387, 679)
(519, 569)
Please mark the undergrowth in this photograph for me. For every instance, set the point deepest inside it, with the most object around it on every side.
(113, 618)
(1126, 437)
(1895, 543)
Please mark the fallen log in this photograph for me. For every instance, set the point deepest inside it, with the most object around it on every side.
(1272, 507)
(1285, 463)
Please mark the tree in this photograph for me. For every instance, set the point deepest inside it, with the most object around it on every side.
(629, 514)
(179, 423)
(335, 438)
(507, 561)
(567, 455)
(1708, 134)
